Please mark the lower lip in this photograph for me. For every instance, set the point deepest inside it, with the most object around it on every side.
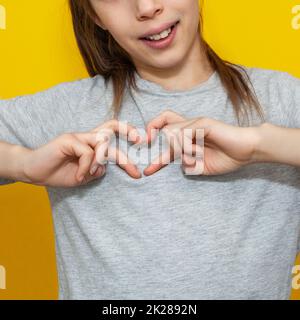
(163, 43)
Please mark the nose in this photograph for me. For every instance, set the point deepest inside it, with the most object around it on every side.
(148, 8)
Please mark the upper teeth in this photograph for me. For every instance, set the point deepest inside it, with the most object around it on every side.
(161, 35)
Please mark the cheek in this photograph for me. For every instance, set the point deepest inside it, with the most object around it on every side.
(124, 41)
(184, 7)
(127, 38)
(191, 10)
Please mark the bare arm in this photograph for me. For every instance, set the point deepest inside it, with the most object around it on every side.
(68, 160)
(11, 161)
(277, 144)
(226, 147)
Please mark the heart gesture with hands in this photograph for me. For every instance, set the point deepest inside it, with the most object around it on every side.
(76, 158)
(224, 148)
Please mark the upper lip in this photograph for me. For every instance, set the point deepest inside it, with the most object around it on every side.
(163, 27)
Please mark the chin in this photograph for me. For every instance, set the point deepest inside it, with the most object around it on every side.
(167, 62)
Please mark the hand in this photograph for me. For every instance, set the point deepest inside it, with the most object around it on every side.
(67, 160)
(226, 148)
(103, 152)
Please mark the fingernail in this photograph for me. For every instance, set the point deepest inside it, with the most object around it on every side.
(94, 169)
(135, 139)
(102, 172)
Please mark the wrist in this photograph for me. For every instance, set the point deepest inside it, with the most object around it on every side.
(263, 143)
(19, 157)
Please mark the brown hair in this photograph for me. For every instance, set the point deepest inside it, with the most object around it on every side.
(104, 56)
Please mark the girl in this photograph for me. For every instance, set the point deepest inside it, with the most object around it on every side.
(230, 231)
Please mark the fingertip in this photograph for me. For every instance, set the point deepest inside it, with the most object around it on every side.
(136, 175)
(139, 176)
(132, 170)
(101, 171)
(94, 168)
(134, 136)
(147, 171)
(139, 140)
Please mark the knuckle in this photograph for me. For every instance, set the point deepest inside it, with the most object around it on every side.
(104, 133)
(113, 123)
(95, 130)
(89, 152)
(167, 111)
(105, 125)
(70, 136)
(202, 119)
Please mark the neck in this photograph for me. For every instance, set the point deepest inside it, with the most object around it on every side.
(192, 71)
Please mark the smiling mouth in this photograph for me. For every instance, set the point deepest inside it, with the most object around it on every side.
(172, 27)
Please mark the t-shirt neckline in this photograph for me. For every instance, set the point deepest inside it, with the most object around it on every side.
(156, 88)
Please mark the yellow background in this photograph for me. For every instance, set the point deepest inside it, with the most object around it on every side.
(38, 50)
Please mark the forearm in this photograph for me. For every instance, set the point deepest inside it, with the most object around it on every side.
(11, 161)
(277, 144)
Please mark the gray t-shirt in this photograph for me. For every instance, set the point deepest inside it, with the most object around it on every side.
(169, 235)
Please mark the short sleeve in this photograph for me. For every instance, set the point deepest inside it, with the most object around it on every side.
(289, 95)
(289, 91)
(34, 119)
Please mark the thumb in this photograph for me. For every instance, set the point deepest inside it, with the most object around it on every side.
(100, 156)
(97, 169)
(100, 171)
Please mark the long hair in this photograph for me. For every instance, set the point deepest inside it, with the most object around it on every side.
(103, 56)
